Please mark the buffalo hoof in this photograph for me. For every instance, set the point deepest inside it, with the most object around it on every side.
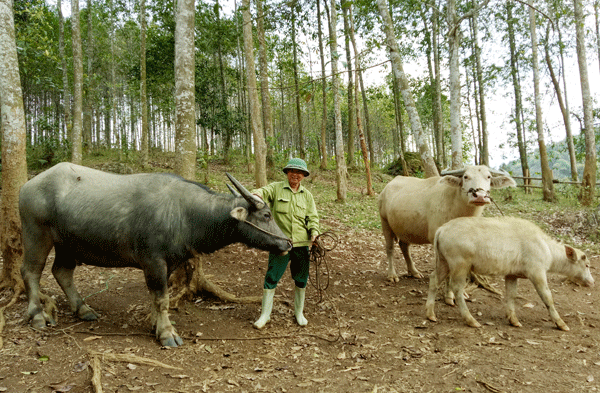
(563, 326)
(416, 274)
(169, 339)
(514, 321)
(474, 324)
(41, 320)
(393, 279)
(86, 313)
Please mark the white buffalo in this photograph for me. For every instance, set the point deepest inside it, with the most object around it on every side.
(412, 209)
(509, 247)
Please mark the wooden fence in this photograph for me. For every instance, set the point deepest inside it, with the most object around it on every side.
(555, 181)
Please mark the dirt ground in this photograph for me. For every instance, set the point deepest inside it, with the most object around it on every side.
(366, 335)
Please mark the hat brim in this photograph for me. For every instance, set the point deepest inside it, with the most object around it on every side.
(287, 168)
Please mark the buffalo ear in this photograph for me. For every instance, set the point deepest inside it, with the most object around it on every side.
(239, 213)
(503, 182)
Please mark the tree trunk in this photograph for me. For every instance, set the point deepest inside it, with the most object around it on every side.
(573, 158)
(438, 112)
(14, 166)
(547, 184)
(89, 95)
(143, 90)
(521, 142)
(65, 75)
(409, 103)
(563, 109)
(597, 26)
(76, 140)
(351, 119)
(588, 183)
(260, 148)
(341, 171)
(323, 90)
(301, 147)
(361, 135)
(185, 120)
(264, 82)
(455, 99)
(484, 153)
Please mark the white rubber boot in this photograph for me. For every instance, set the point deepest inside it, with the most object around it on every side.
(267, 307)
(299, 295)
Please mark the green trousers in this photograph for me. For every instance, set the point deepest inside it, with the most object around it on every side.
(299, 261)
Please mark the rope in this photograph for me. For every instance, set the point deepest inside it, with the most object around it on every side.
(325, 242)
(269, 233)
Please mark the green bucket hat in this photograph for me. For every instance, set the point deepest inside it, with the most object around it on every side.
(297, 163)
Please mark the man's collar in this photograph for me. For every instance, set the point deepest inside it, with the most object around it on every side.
(287, 185)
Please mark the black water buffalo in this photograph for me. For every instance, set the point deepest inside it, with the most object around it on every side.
(154, 222)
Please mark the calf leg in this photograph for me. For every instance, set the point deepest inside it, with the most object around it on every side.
(62, 270)
(156, 280)
(37, 245)
(430, 305)
(510, 284)
(440, 273)
(410, 265)
(541, 286)
(458, 281)
(390, 239)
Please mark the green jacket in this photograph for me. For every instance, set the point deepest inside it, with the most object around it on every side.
(295, 213)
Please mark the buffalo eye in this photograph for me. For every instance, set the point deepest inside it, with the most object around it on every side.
(267, 216)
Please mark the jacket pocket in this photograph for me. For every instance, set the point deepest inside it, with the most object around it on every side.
(283, 206)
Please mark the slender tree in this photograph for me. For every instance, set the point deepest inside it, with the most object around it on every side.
(547, 183)
(514, 73)
(65, 71)
(562, 104)
(265, 93)
(88, 100)
(143, 86)
(588, 182)
(301, 147)
(454, 37)
(341, 170)
(76, 136)
(409, 103)
(323, 89)
(260, 148)
(185, 120)
(351, 116)
(485, 159)
(14, 167)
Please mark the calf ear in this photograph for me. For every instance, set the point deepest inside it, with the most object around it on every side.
(571, 254)
(239, 213)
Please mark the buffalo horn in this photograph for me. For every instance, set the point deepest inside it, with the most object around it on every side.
(455, 172)
(245, 193)
(499, 172)
(233, 191)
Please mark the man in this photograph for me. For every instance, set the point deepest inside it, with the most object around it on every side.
(294, 210)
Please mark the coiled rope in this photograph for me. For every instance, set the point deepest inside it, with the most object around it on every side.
(325, 242)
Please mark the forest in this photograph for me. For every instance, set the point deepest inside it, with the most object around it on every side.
(294, 61)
